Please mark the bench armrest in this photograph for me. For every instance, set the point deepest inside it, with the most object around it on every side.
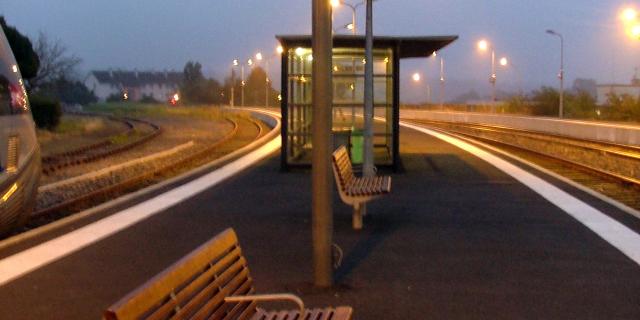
(268, 297)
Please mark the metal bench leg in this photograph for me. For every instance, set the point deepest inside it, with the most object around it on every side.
(358, 212)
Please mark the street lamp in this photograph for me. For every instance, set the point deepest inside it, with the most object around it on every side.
(629, 15)
(416, 77)
(441, 82)
(484, 45)
(233, 81)
(561, 74)
(352, 26)
(236, 62)
(260, 57)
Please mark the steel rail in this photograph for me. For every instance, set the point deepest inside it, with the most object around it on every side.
(632, 152)
(93, 152)
(140, 178)
(605, 173)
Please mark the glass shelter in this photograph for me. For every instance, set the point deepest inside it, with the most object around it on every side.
(348, 94)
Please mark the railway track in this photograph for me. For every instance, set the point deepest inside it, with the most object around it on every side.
(138, 132)
(588, 163)
(90, 192)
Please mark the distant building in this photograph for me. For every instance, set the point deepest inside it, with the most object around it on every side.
(632, 89)
(589, 86)
(136, 84)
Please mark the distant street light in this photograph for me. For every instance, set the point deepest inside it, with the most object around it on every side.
(505, 62)
(416, 77)
(484, 45)
(635, 31)
(260, 57)
(561, 74)
(352, 26)
(236, 62)
(233, 82)
(629, 15)
(441, 83)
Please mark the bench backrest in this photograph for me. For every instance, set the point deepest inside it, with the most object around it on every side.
(342, 167)
(194, 287)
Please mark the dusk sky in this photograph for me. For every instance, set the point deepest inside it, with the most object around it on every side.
(161, 34)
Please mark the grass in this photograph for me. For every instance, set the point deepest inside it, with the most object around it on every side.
(133, 109)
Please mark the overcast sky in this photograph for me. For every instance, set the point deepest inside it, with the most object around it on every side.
(164, 34)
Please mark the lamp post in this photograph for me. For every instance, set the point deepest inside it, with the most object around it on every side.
(353, 7)
(233, 81)
(508, 63)
(416, 77)
(435, 54)
(236, 62)
(561, 74)
(484, 45)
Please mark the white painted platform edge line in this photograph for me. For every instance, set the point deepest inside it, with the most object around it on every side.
(31, 259)
(612, 231)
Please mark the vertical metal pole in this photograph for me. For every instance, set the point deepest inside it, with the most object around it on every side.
(266, 84)
(353, 20)
(441, 83)
(242, 86)
(233, 84)
(493, 76)
(493, 81)
(561, 75)
(368, 167)
(322, 215)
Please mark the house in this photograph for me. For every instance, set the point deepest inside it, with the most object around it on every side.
(133, 85)
(632, 89)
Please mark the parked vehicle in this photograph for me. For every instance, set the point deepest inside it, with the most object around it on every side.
(20, 166)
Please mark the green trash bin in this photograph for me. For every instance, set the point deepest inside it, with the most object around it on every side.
(357, 146)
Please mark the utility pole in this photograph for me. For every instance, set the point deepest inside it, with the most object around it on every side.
(322, 93)
(368, 167)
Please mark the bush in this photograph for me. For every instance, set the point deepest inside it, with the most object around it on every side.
(148, 99)
(546, 102)
(114, 97)
(46, 112)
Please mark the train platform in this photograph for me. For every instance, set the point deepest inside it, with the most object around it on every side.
(461, 236)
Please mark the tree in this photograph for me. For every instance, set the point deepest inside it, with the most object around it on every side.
(55, 62)
(22, 48)
(623, 107)
(67, 91)
(546, 102)
(254, 90)
(581, 105)
(196, 89)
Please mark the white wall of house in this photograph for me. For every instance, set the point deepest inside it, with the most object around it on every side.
(159, 91)
(101, 90)
(604, 90)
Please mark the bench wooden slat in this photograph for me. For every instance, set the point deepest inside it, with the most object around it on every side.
(209, 299)
(208, 277)
(310, 314)
(195, 288)
(237, 286)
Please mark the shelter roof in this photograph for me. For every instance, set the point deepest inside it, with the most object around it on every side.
(408, 47)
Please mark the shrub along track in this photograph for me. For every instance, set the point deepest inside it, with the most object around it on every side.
(607, 168)
(138, 132)
(87, 193)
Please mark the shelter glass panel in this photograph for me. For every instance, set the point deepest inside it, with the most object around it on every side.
(348, 103)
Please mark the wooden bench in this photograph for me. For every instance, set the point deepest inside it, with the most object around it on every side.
(211, 282)
(356, 191)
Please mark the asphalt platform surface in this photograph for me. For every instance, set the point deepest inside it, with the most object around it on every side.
(457, 239)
